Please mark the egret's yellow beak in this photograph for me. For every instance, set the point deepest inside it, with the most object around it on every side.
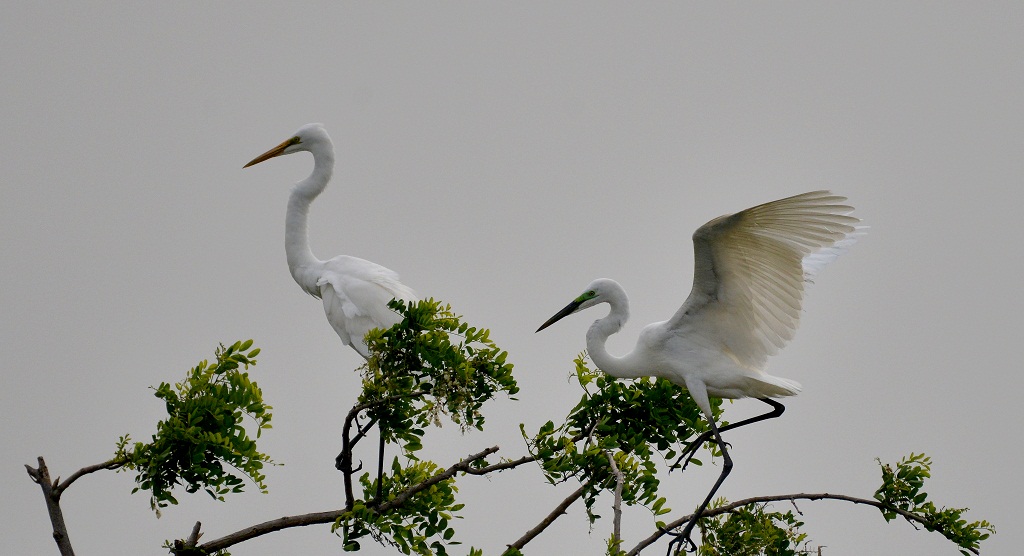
(276, 151)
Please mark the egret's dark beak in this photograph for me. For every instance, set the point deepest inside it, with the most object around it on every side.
(568, 310)
(276, 151)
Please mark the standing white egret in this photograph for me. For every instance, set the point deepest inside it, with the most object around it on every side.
(748, 284)
(355, 292)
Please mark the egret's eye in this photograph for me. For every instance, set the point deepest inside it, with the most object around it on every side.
(591, 294)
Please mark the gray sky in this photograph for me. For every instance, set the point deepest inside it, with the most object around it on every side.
(500, 157)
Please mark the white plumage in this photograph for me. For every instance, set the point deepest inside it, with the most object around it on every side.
(750, 272)
(355, 292)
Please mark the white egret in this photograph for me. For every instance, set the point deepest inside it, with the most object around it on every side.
(355, 292)
(748, 285)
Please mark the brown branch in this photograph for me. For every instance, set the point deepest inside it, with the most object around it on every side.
(59, 489)
(447, 474)
(333, 515)
(909, 516)
(512, 463)
(188, 545)
(555, 514)
(501, 466)
(617, 506)
(271, 526)
(41, 476)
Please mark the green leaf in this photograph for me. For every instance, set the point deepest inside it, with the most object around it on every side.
(202, 436)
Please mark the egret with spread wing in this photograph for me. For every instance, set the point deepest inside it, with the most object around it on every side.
(355, 292)
(751, 269)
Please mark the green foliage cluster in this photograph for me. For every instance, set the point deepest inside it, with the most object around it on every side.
(203, 442)
(632, 422)
(411, 525)
(751, 531)
(902, 489)
(430, 364)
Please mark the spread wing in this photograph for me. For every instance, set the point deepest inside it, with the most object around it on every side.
(356, 293)
(750, 269)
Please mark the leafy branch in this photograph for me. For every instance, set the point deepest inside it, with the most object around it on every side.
(431, 364)
(612, 438)
(203, 431)
(203, 440)
(615, 441)
(428, 365)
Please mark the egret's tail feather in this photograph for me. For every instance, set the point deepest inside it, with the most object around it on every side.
(768, 386)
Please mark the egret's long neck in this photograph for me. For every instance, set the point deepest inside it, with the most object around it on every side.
(296, 229)
(597, 336)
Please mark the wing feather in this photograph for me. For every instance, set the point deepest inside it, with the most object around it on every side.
(356, 293)
(750, 270)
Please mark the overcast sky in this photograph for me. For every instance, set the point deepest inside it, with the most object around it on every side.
(499, 157)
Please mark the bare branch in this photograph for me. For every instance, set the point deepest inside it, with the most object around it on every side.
(909, 516)
(333, 515)
(59, 489)
(617, 506)
(502, 465)
(266, 527)
(193, 537)
(41, 476)
(188, 545)
(555, 514)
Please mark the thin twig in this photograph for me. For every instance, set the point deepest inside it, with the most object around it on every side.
(909, 516)
(501, 466)
(551, 517)
(59, 489)
(617, 506)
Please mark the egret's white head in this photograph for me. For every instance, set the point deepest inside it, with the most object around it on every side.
(602, 290)
(307, 138)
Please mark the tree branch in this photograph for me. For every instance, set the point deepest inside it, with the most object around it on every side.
(555, 514)
(501, 466)
(909, 516)
(447, 474)
(41, 476)
(617, 506)
(333, 515)
(59, 489)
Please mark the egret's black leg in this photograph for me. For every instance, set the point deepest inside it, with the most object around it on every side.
(380, 468)
(692, 447)
(682, 541)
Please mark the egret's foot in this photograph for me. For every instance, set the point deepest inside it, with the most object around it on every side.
(691, 450)
(682, 543)
(687, 455)
(339, 464)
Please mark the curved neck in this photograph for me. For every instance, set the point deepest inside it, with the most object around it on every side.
(597, 336)
(296, 229)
